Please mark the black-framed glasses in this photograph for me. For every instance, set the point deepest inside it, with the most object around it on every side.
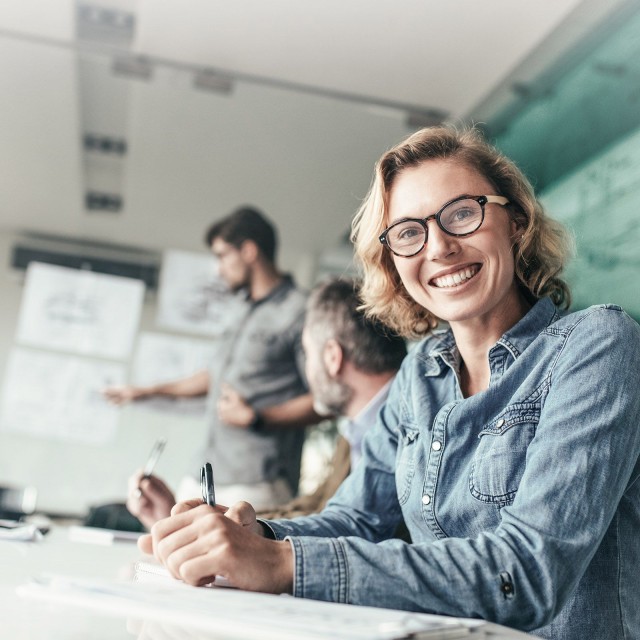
(458, 217)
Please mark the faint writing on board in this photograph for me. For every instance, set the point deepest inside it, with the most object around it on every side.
(162, 358)
(80, 312)
(193, 298)
(598, 202)
(59, 397)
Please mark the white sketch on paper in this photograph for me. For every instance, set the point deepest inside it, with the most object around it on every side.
(59, 397)
(161, 358)
(193, 297)
(80, 312)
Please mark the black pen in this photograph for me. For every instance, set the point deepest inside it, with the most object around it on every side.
(207, 486)
(154, 455)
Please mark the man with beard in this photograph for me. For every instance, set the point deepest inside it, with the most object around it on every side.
(263, 360)
(350, 363)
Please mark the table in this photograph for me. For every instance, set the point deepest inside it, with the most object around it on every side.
(21, 618)
(28, 618)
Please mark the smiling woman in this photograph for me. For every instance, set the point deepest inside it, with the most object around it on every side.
(508, 443)
(540, 246)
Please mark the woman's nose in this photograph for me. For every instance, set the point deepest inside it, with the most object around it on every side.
(440, 245)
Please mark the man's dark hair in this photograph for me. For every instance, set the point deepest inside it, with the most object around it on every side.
(245, 223)
(333, 312)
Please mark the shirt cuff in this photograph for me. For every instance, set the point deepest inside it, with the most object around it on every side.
(269, 531)
(320, 569)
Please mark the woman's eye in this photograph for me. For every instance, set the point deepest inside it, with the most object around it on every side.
(462, 214)
(409, 233)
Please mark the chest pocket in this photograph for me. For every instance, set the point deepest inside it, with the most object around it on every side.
(265, 348)
(406, 461)
(500, 458)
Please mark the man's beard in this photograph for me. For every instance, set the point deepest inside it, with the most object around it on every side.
(330, 397)
(238, 287)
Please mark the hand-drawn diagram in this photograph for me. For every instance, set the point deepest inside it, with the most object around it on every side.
(192, 297)
(160, 358)
(79, 311)
(60, 397)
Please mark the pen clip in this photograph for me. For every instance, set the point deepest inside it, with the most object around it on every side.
(206, 485)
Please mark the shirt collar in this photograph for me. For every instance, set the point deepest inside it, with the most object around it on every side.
(444, 350)
(523, 333)
(368, 414)
(278, 291)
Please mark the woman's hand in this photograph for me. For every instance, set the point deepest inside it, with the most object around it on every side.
(198, 542)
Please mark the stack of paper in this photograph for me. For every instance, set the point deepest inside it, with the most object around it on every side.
(243, 614)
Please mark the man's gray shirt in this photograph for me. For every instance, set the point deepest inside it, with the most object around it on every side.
(262, 359)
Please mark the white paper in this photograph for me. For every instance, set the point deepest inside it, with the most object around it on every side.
(57, 396)
(79, 311)
(193, 297)
(161, 358)
(245, 615)
(98, 535)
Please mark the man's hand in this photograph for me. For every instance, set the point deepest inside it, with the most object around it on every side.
(122, 394)
(149, 499)
(199, 542)
(233, 409)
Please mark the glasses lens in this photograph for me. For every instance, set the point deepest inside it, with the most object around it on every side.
(406, 238)
(463, 216)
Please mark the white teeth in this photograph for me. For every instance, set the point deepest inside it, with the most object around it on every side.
(454, 279)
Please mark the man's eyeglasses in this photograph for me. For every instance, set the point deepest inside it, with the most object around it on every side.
(459, 217)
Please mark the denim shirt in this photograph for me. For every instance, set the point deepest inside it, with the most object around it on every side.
(523, 501)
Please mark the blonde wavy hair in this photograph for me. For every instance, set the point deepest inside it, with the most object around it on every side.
(540, 253)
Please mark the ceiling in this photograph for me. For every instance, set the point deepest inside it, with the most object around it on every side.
(445, 57)
(302, 98)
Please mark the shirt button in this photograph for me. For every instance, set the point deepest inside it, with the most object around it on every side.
(436, 445)
(500, 422)
(426, 499)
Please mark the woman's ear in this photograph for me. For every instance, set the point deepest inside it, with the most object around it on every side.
(515, 228)
(333, 357)
(518, 222)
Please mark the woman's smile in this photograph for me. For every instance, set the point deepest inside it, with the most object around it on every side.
(455, 278)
